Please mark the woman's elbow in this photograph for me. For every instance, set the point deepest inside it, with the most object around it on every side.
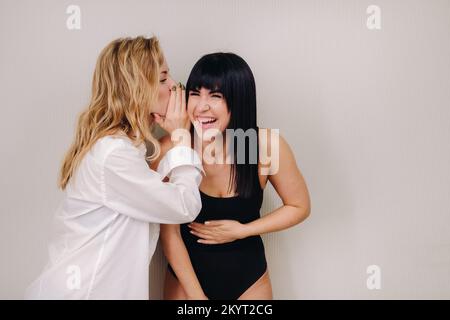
(302, 214)
(307, 213)
(193, 209)
(186, 209)
(196, 210)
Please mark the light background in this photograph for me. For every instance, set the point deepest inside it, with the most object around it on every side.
(367, 113)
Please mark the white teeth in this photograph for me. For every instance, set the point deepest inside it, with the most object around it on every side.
(206, 120)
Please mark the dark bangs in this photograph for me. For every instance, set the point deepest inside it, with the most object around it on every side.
(208, 73)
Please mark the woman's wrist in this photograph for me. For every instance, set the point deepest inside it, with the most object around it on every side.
(247, 230)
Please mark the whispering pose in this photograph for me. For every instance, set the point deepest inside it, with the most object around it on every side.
(221, 254)
(108, 224)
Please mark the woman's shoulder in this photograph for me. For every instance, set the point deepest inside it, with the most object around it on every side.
(273, 148)
(269, 137)
(116, 143)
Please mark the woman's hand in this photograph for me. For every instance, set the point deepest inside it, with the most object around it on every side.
(219, 231)
(176, 116)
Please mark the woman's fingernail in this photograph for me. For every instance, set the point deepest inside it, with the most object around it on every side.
(174, 88)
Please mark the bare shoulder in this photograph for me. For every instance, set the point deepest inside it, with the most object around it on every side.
(272, 146)
(280, 166)
(272, 139)
(263, 139)
(274, 152)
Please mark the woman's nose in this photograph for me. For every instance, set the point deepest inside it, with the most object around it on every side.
(171, 82)
(203, 104)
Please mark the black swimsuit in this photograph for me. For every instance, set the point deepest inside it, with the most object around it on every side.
(226, 271)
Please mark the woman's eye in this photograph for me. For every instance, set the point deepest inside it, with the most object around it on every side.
(217, 96)
(193, 93)
(163, 80)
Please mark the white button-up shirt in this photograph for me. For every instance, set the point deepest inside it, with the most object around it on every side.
(107, 226)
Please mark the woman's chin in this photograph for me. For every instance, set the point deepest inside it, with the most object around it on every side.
(206, 134)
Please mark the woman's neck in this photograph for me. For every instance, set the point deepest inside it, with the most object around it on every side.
(212, 152)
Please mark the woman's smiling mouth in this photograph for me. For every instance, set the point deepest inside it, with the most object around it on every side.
(206, 122)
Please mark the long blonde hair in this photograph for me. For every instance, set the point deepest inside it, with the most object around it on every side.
(124, 89)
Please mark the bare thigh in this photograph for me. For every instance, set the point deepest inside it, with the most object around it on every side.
(260, 290)
(173, 289)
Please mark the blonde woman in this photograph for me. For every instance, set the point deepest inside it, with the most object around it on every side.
(108, 224)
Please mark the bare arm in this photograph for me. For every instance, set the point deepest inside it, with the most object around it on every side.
(174, 247)
(290, 186)
(178, 257)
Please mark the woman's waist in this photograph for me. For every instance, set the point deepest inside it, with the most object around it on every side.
(249, 244)
(240, 216)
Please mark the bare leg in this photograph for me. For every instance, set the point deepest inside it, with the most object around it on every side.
(260, 290)
(173, 289)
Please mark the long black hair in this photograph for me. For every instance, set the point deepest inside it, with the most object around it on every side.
(230, 75)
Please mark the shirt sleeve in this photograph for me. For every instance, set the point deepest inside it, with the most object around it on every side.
(131, 188)
(176, 157)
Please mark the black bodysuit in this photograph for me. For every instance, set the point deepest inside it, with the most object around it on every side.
(226, 271)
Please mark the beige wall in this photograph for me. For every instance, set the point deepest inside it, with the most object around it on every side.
(367, 113)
